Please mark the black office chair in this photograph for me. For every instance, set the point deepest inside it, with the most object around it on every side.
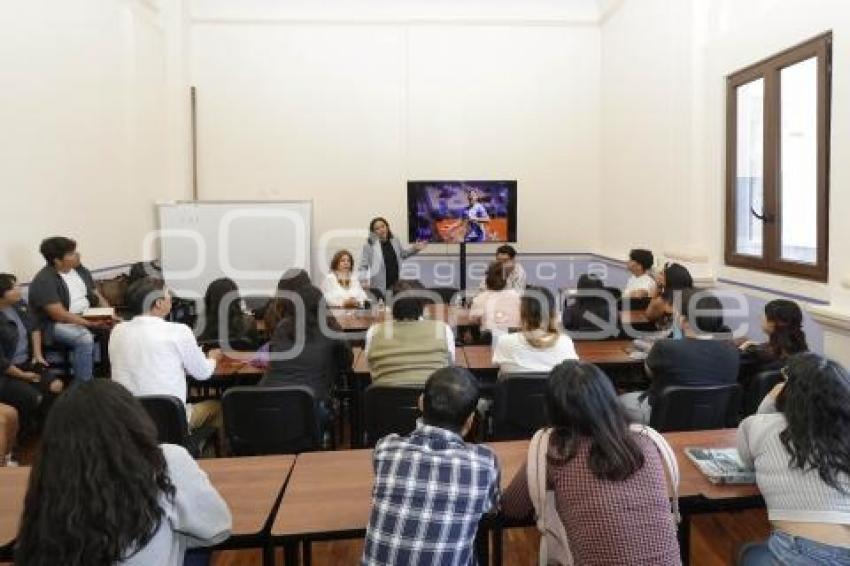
(519, 406)
(696, 408)
(172, 426)
(760, 385)
(389, 409)
(271, 420)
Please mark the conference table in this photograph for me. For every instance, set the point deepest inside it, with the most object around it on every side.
(329, 493)
(251, 486)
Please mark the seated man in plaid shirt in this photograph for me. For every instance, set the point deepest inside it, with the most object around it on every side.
(431, 488)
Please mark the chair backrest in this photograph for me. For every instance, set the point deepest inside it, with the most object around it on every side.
(169, 415)
(389, 409)
(696, 408)
(271, 420)
(519, 406)
(760, 385)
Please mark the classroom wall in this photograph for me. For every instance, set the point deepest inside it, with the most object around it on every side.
(303, 100)
(82, 137)
(664, 64)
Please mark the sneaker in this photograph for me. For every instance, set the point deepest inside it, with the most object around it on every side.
(9, 462)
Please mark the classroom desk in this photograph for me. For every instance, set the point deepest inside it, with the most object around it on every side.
(251, 487)
(359, 320)
(329, 493)
(602, 352)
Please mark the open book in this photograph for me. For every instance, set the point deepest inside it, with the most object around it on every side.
(721, 465)
(99, 313)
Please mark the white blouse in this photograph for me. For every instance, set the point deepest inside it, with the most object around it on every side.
(336, 295)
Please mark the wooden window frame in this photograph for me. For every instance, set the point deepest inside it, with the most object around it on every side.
(769, 69)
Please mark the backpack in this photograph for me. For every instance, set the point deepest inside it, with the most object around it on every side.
(554, 545)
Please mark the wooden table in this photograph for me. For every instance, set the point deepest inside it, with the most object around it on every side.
(359, 320)
(600, 352)
(329, 493)
(250, 486)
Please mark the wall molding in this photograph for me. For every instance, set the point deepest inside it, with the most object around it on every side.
(397, 22)
(830, 317)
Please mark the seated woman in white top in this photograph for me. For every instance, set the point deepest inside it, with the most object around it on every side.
(540, 346)
(641, 284)
(799, 444)
(103, 492)
(497, 308)
(339, 287)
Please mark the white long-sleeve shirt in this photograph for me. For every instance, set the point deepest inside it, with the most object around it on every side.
(197, 517)
(336, 295)
(150, 356)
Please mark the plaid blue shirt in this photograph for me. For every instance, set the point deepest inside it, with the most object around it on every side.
(431, 489)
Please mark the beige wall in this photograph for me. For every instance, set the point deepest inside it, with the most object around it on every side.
(83, 128)
(344, 108)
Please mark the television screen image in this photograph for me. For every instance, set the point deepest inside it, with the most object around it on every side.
(452, 212)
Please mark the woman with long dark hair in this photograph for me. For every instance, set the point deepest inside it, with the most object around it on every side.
(609, 483)
(103, 492)
(303, 350)
(235, 326)
(539, 346)
(783, 324)
(672, 281)
(799, 445)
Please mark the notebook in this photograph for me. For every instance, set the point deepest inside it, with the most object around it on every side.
(721, 465)
(99, 313)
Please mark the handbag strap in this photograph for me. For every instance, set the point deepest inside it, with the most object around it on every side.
(536, 472)
(668, 456)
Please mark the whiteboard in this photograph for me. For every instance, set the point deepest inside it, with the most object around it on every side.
(251, 242)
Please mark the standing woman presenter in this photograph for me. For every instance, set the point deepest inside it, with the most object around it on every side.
(380, 260)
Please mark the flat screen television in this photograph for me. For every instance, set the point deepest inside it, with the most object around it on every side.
(452, 212)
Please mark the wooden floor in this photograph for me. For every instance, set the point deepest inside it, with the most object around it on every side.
(714, 542)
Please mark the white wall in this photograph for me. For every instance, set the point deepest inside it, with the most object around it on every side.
(664, 64)
(82, 133)
(299, 100)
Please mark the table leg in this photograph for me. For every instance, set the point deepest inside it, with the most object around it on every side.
(306, 553)
(291, 550)
(268, 554)
(482, 546)
(685, 539)
(496, 542)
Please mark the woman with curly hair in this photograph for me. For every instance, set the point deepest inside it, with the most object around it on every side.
(799, 445)
(103, 492)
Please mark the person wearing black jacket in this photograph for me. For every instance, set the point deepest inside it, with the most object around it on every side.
(59, 294)
(303, 353)
(24, 381)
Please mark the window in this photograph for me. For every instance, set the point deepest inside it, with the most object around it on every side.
(777, 162)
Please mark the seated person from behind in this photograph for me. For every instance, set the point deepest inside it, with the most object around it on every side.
(515, 275)
(408, 349)
(134, 502)
(783, 324)
(609, 482)
(591, 302)
(58, 295)
(539, 346)
(497, 308)
(705, 356)
(150, 356)
(431, 488)
(301, 353)
(231, 329)
(24, 381)
(339, 287)
(671, 281)
(640, 284)
(797, 444)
